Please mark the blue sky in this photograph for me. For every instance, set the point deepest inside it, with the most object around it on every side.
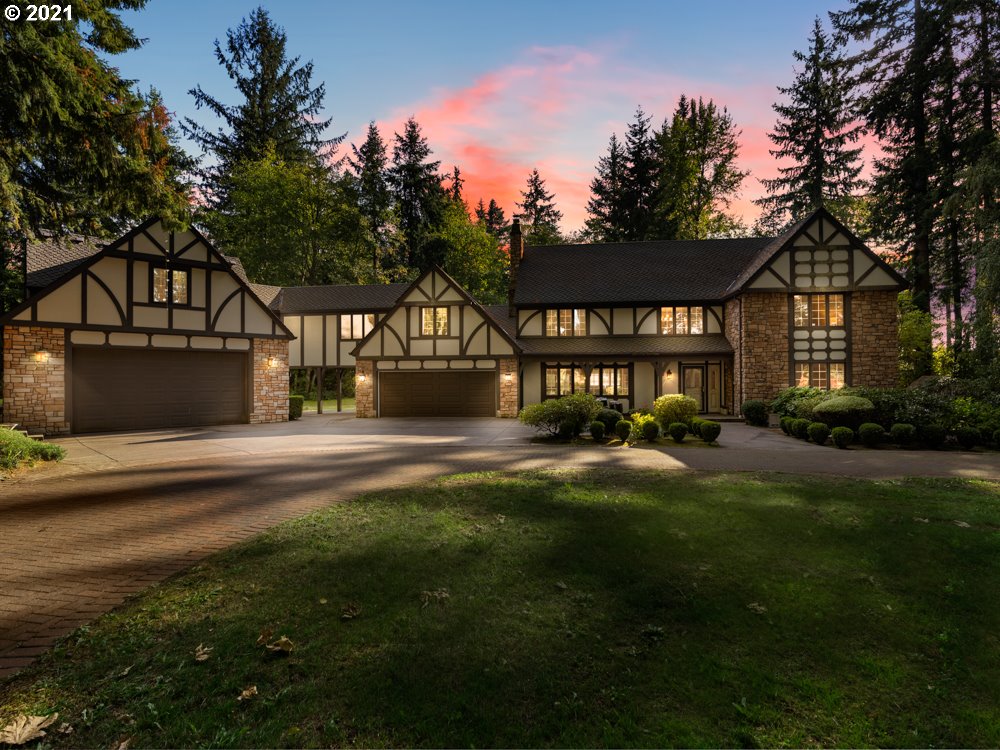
(503, 87)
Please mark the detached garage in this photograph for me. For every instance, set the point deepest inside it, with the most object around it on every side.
(154, 330)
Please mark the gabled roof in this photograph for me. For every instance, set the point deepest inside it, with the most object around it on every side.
(634, 272)
(50, 256)
(338, 298)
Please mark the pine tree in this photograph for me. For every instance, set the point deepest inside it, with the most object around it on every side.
(697, 174)
(280, 105)
(608, 220)
(815, 131)
(455, 190)
(418, 192)
(639, 183)
(492, 219)
(539, 214)
(374, 195)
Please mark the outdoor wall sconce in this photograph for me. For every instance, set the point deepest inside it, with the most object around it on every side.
(272, 362)
(507, 377)
(670, 373)
(41, 355)
(362, 378)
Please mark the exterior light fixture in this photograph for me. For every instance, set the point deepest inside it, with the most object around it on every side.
(507, 377)
(41, 355)
(670, 373)
(272, 362)
(362, 378)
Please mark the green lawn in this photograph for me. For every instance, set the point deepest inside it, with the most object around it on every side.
(329, 405)
(603, 609)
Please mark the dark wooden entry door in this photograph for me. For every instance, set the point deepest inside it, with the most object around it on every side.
(437, 394)
(693, 383)
(143, 389)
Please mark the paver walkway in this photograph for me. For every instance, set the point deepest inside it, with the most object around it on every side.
(126, 511)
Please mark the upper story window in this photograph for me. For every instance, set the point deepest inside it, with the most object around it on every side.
(820, 375)
(354, 327)
(170, 285)
(566, 322)
(434, 321)
(682, 320)
(818, 310)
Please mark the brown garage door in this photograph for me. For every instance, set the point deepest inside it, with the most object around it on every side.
(437, 394)
(141, 389)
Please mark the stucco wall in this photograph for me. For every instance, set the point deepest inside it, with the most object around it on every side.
(34, 384)
(874, 339)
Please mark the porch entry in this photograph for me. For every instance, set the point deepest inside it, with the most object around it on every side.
(703, 383)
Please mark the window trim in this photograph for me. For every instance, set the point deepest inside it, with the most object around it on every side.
(571, 331)
(809, 296)
(435, 334)
(587, 388)
(351, 316)
(153, 268)
(828, 379)
(673, 319)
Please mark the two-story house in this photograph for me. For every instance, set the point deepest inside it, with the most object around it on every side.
(164, 325)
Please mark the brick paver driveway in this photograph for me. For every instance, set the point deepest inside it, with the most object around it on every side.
(125, 511)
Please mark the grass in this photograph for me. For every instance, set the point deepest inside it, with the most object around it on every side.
(595, 609)
(17, 449)
(329, 405)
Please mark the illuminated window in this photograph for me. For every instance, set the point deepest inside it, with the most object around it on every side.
(170, 285)
(801, 303)
(818, 310)
(551, 322)
(817, 375)
(434, 321)
(835, 309)
(829, 376)
(570, 322)
(802, 375)
(682, 320)
(667, 319)
(179, 287)
(561, 380)
(356, 326)
(837, 376)
(161, 283)
(695, 320)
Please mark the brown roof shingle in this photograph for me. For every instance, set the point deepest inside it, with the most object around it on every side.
(50, 257)
(338, 298)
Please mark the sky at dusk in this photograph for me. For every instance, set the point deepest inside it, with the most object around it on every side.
(501, 88)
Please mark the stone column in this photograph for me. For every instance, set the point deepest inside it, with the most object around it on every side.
(508, 387)
(270, 381)
(364, 389)
(34, 379)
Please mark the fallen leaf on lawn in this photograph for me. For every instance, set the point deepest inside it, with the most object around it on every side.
(247, 693)
(918, 519)
(438, 595)
(962, 524)
(202, 652)
(322, 601)
(350, 611)
(123, 745)
(124, 672)
(25, 729)
(265, 636)
(65, 728)
(283, 646)
(561, 585)
(758, 608)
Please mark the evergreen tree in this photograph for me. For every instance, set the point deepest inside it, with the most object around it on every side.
(815, 132)
(419, 195)
(697, 174)
(607, 210)
(539, 215)
(455, 191)
(639, 183)
(280, 105)
(493, 220)
(374, 194)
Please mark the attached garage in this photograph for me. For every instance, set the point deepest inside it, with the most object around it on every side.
(141, 389)
(438, 394)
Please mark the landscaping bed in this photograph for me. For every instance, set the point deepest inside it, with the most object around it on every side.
(563, 609)
(17, 449)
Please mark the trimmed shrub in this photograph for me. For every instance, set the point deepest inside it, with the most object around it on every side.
(871, 434)
(609, 418)
(650, 431)
(933, 435)
(295, 406)
(675, 408)
(786, 402)
(968, 437)
(565, 430)
(818, 433)
(786, 424)
(597, 429)
(842, 436)
(710, 431)
(623, 429)
(844, 411)
(570, 413)
(805, 407)
(800, 428)
(755, 412)
(16, 449)
(695, 425)
(639, 428)
(677, 431)
(902, 434)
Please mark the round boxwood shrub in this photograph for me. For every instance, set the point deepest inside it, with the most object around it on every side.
(650, 431)
(675, 407)
(623, 429)
(902, 434)
(786, 424)
(968, 437)
(609, 418)
(695, 425)
(871, 434)
(710, 431)
(842, 436)
(295, 406)
(800, 429)
(677, 431)
(818, 433)
(567, 430)
(597, 430)
(844, 411)
(933, 435)
(755, 412)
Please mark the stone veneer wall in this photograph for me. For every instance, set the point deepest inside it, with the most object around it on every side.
(270, 381)
(731, 321)
(874, 331)
(364, 392)
(765, 345)
(508, 390)
(34, 385)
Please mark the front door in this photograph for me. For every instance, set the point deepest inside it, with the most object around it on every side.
(693, 383)
(714, 389)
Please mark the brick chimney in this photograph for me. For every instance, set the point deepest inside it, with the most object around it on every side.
(516, 253)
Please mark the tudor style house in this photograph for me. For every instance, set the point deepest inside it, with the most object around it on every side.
(159, 329)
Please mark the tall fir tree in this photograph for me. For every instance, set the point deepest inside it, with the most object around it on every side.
(280, 105)
(369, 166)
(455, 186)
(419, 195)
(493, 220)
(539, 214)
(697, 175)
(639, 183)
(816, 131)
(607, 213)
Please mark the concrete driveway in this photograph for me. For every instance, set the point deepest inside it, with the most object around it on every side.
(125, 511)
